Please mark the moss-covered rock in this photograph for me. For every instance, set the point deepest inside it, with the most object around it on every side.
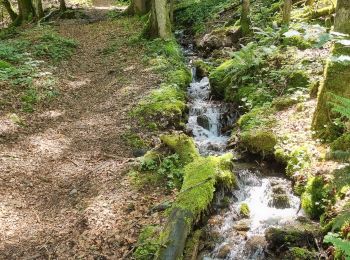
(297, 41)
(165, 106)
(202, 68)
(192, 245)
(282, 103)
(298, 235)
(244, 210)
(260, 141)
(314, 199)
(299, 253)
(183, 145)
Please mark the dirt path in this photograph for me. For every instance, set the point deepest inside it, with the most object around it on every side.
(64, 190)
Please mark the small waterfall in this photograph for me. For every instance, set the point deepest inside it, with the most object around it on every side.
(244, 237)
(206, 117)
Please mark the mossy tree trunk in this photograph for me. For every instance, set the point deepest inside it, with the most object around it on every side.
(245, 21)
(63, 6)
(159, 21)
(138, 7)
(38, 6)
(26, 12)
(337, 75)
(9, 9)
(287, 10)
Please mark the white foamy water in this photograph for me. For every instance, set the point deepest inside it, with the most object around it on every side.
(257, 192)
(205, 117)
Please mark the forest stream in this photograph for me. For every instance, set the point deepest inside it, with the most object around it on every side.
(267, 196)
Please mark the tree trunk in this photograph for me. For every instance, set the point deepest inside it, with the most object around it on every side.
(38, 5)
(342, 17)
(337, 75)
(63, 6)
(159, 22)
(25, 12)
(138, 7)
(287, 10)
(9, 9)
(245, 21)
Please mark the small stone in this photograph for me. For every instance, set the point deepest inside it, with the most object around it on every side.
(224, 251)
(73, 192)
(242, 225)
(203, 121)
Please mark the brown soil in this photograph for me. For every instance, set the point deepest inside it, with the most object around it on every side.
(64, 190)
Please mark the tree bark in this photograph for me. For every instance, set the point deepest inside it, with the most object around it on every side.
(138, 7)
(337, 75)
(159, 22)
(245, 21)
(9, 9)
(287, 10)
(38, 5)
(342, 17)
(63, 6)
(26, 12)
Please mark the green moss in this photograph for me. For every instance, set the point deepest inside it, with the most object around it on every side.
(299, 253)
(282, 103)
(298, 79)
(315, 198)
(4, 64)
(192, 245)
(147, 243)
(199, 182)
(182, 145)
(337, 80)
(244, 210)
(260, 141)
(220, 79)
(342, 143)
(133, 140)
(257, 118)
(297, 41)
(203, 69)
(180, 77)
(164, 105)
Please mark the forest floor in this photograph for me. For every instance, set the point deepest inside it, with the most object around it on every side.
(65, 192)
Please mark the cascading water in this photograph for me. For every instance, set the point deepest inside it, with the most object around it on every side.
(270, 199)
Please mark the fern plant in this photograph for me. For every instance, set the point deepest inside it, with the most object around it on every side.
(340, 244)
(341, 105)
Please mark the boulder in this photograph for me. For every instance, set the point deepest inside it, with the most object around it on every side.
(203, 121)
(219, 38)
(224, 251)
(242, 225)
(280, 201)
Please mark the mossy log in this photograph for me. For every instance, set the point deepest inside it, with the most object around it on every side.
(201, 176)
(320, 12)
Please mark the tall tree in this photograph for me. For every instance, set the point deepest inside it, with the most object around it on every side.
(38, 6)
(159, 24)
(8, 7)
(287, 10)
(26, 11)
(245, 21)
(138, 7)
(337, 74)
(63, 6)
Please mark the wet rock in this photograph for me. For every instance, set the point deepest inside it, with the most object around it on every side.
(224, 251)
(139, 152)
(242, 225)
(280, 201)
(255, 243)
(203, 121)
(299, 235)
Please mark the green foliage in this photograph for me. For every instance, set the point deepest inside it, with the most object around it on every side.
(316, 197)
(147, 243)
(194, 13)
(54, 47)
(297, 41)
(340, 244)
(341, 105)
(342, 143)
(133, 140)
(298, 160)
(168, 169)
